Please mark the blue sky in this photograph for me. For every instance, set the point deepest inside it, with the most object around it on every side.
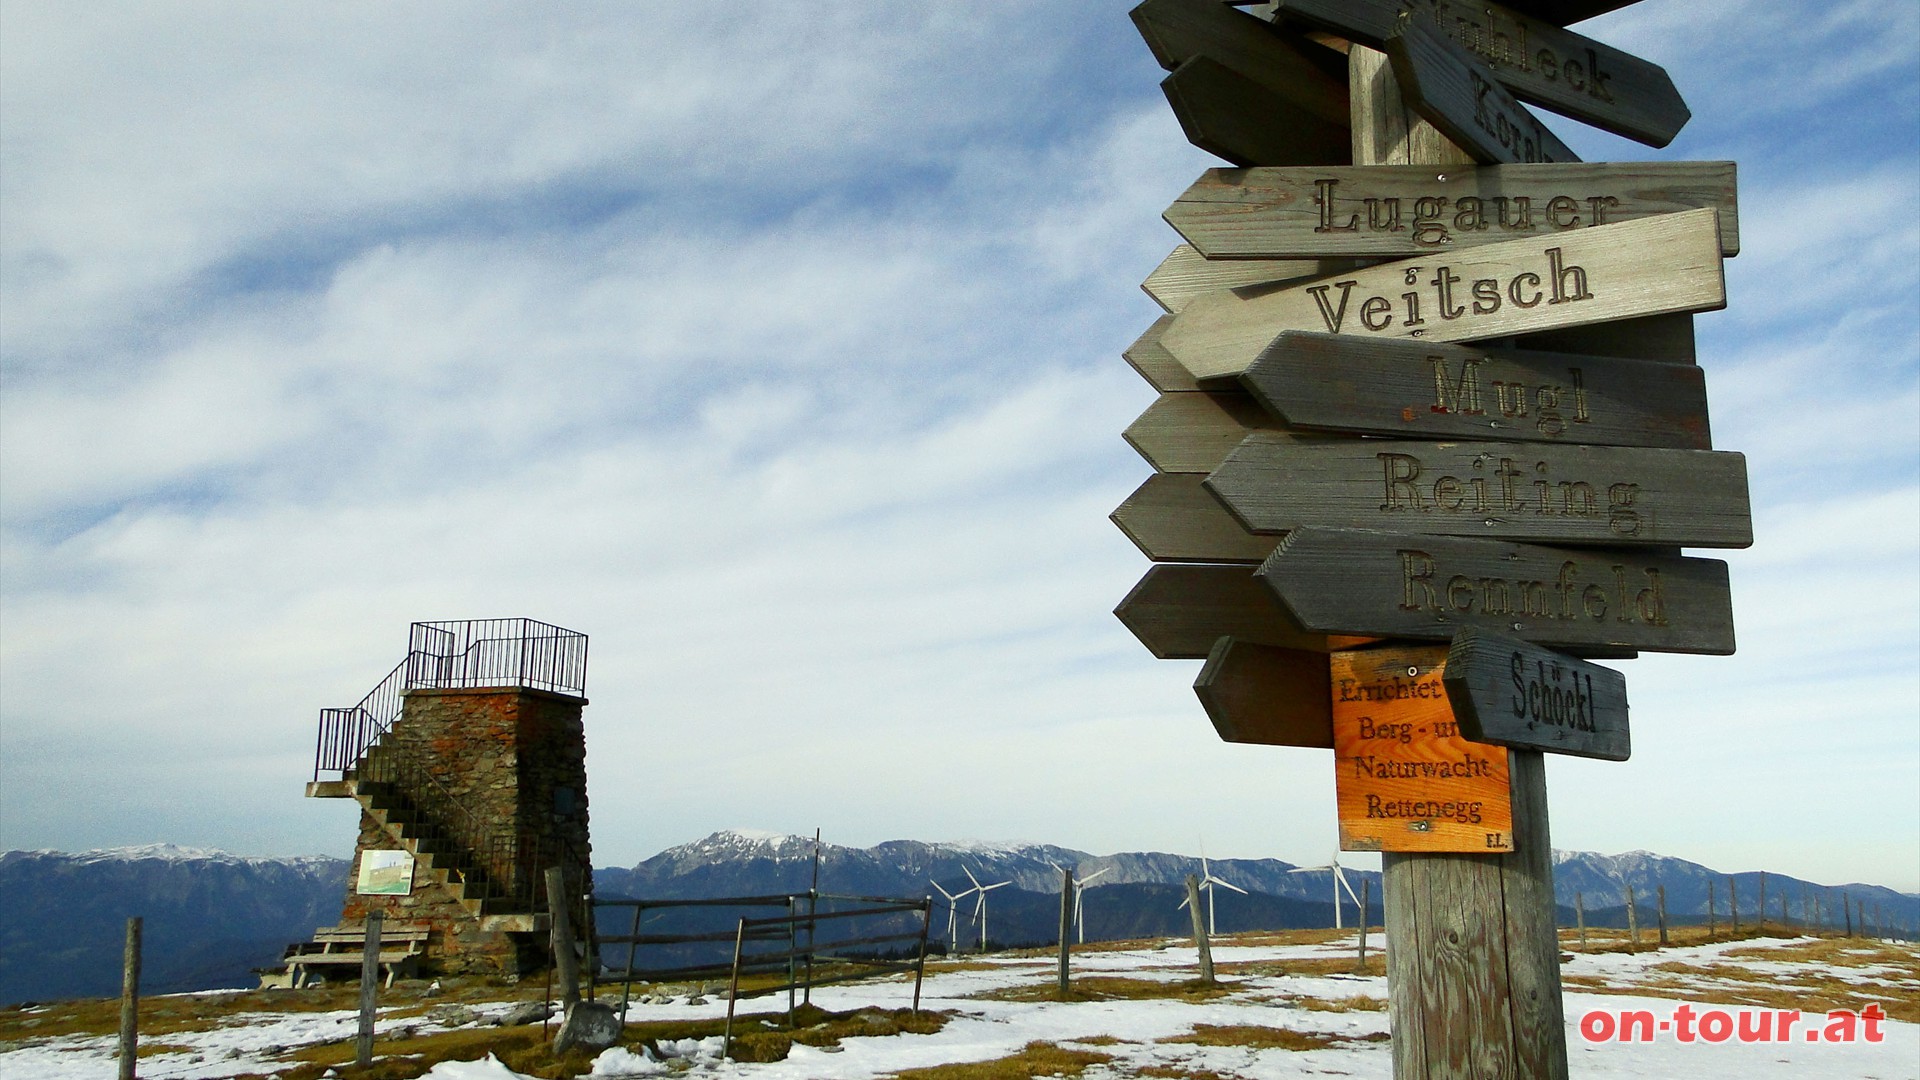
(778, 349)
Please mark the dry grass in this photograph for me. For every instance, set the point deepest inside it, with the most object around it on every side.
(1317, 967)
(1036, 1059)
(1356, 1003)
(1114, 988)
(1179, 1072)
(1262, 1037)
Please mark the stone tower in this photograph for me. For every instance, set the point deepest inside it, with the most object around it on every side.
(469, 765)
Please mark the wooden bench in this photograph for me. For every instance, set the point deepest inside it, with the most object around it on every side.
(401, 946)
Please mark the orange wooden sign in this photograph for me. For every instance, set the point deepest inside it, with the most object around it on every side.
(1405, 778)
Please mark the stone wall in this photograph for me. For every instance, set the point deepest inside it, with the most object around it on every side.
(516, 759)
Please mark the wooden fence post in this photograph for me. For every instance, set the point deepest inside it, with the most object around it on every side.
(369, 989)
(1761, 921)
(1066, 925)
(1633, 924)
(1710, 913)
(1663, 916)
(1200, 941)
(1473, 956)
(1733, 905)
(130, 1001)
(1366, 886)
(1580, 918)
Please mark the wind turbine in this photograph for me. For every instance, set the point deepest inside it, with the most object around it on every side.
(980, 906)
(953, 940)
(1079, 893)
(1207, 882)
(1339, 882)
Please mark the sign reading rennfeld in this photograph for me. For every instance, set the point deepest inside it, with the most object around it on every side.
(1357, 581)
(1514, 694)
(1415, 388)
(1275, 482)
(1405, 778)
(1383, 211)
(1648, 267)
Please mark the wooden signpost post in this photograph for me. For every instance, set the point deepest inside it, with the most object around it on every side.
(1430, 436)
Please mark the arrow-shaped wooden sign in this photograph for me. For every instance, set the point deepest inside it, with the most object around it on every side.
(1275, 482)
(1311, 78)
(1383, 211)
(1178, 611)
(1267, 696)
(1421, 389)
(1172, 518)
(1355, 581)
(1194, 432)
(1185, 274)
(1243, 121)
(1536, 60)
(1654, 266)
(1516, 694)
(1154, 363)
(1460, 96)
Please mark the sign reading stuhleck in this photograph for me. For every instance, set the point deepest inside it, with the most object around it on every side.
(1457, 94)
(1386, 211)
(1515, 694)
(1649, 267)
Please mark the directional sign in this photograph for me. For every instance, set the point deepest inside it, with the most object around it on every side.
(1459, 95)
(1233, 117)
(1394, 210)
(1310, 78)
(1272, 697)
(1352, 581)
(1537, 61)
(1177, 611)
(1154, 363)
(1429, 389)
(1172, 518)
(1405, 778)
(1194, 432)
(1667, 338)
(1185, 274)
(1275, 482)
(1511, 693)
(1653, 266)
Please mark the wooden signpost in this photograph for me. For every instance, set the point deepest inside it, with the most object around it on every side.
(1653, 266)
(1404, 777)
(1383, 584)
(1417, 389)
(1436, 387)
(1275, 481)
(1512, 693)
(1389, 211)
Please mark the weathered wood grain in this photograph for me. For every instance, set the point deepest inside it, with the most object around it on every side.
(1154, 363)
(1178, 611)
(1266, 696)
(1235, 118)
(1460, 96)
(1382, 211)
(1530, 959)
(1619, 495)
(1653, 266)
(1534, 59)
(1405, 779)
(1172, 518)
(1515, 694)
(1412, 389)
(1185, 274)
(1666, 338)
(1188, 432)
(1354, 581)
(1310, 77)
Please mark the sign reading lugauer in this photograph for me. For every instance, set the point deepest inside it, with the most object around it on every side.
(1392, 210)
(1511, 491)
(1355, 581)
(1649, 267)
